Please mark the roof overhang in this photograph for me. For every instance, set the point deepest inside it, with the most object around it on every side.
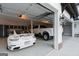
(71, 9)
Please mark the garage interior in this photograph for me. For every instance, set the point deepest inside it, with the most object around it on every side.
(36, 15)
(27, 16)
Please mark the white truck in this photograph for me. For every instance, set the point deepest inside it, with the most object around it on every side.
(45, 32)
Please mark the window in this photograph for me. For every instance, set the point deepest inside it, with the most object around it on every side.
(11, 26)
(35, 26)
(22, 27)
(18, 27)
(15, 27)
(42, 26)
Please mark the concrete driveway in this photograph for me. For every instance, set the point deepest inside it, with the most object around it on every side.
(70, 47)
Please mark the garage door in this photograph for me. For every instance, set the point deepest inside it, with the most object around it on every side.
(67, 30)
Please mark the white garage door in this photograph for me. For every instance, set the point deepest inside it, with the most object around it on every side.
(67, 30)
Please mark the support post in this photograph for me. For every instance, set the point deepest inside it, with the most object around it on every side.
(56, 31)
(73, 29)
(3, 31)
(31, 26)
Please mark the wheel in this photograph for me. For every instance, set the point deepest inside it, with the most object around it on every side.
(34, 43)
(46, 36)
(7, 48)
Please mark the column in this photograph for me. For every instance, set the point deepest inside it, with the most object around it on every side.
(31, 26)
(73, 29)
(57, 33)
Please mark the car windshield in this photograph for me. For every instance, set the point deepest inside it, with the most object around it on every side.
(17, 31)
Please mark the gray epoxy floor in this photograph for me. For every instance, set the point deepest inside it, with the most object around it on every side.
(70, 47)
(41, 48)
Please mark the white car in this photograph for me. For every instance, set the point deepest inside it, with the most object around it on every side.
(19, 41)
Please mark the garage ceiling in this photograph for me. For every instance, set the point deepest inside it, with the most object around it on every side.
(32, 10)
(71, 9)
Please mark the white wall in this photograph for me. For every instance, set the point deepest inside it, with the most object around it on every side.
(58, 7)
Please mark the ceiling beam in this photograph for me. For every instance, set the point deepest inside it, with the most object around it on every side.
(71, 9)
(44, 7)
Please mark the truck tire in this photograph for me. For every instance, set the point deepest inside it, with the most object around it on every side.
(45, 36)
(7, 48)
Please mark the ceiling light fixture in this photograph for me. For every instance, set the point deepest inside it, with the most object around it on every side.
(23, 17)
(45, 21)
